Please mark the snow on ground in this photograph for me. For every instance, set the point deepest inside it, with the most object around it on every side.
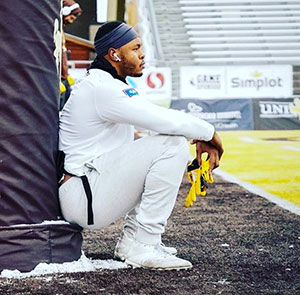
(84, 264)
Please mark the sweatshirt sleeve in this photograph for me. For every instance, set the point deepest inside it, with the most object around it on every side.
(141, 113)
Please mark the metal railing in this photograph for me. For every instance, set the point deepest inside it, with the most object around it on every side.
(149, 32)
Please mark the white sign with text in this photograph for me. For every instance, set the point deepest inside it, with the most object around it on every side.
(202, 82)
(261, 81)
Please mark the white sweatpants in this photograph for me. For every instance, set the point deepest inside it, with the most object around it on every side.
(140, 179)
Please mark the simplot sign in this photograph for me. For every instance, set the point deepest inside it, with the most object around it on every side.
(272, 81)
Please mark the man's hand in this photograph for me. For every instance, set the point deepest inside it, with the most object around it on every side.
(214, 148)
(213, 154)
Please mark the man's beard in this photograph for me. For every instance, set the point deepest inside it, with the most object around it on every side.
(137, 75)
(131, 68)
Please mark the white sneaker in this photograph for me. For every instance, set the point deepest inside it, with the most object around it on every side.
(124, 245)
(153, 257)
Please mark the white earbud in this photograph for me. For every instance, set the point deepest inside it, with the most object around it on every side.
(116, 56)
(68, 9)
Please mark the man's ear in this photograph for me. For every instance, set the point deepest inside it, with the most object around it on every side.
(113, 55)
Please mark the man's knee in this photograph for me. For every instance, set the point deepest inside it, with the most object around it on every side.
(174, 144)
(177, 140)
(179, 144)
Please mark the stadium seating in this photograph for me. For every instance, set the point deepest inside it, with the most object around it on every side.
(174, 40)
(230, 32)
(219, 25)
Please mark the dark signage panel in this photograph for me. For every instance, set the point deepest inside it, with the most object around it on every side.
(276, 114)
(224, 114)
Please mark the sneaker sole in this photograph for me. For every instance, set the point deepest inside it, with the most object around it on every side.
(123, 258)
(135, 265)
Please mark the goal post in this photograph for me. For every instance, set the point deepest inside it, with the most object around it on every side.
(31, 226)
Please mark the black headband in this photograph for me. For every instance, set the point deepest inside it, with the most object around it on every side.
(118, 37)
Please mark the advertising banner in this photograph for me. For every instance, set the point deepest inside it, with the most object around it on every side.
(280, 114)
(273, 81)
(252, 81)
(229, 114)
(155, 84)
(202, 82)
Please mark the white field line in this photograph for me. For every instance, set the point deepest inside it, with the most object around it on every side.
(285, 147)
(256, 190)
(291, 148)
(248, 139)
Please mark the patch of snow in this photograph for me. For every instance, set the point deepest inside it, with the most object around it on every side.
(222, 282)
(84, 264)
(45, 222)
(224, 245)
(48, 279)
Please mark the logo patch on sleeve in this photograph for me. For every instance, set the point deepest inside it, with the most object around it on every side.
(130, 92)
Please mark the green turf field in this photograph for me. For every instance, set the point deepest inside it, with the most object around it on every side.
(269, 159)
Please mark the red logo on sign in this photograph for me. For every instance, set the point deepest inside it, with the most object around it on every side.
(155, 80)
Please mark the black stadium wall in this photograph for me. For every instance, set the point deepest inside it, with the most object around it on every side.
(82, 24)
(31, 228)
(244, 114)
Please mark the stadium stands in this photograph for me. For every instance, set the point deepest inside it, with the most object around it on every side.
(230, 32)
(226, 21)
(175, 45)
